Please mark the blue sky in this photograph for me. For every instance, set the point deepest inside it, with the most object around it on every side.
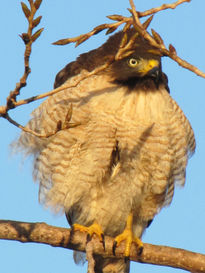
(183, 223)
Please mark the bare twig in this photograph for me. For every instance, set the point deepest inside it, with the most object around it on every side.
(60, 126)
(163, 7)
(113, 26)
(25, 129)
(134, 20)
(154, 41)
(64, 86)
(83, 37)
(4, 113)
(62, 237)
(28, 39)
(125, 48)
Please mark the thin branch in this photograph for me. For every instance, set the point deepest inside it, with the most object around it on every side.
(66, 238)
(28, 40)
(134, 20)
(27, 130)
(83, 76)
(83, 37)
(113, 26)
(163, 7)
(157, 42)
(125, 48)
(61, 126)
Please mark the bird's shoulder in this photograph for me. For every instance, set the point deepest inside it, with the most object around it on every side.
(91, 59)
(87, 61)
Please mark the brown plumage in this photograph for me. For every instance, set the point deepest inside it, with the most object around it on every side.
(128, 151)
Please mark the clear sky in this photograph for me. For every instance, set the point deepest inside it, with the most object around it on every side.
(183, 223)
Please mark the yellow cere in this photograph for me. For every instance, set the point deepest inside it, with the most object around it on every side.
(147, 65)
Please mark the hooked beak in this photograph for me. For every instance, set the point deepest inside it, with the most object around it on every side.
(155, 73)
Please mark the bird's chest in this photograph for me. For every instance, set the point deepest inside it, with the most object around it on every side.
(138, 127)
(137, 120)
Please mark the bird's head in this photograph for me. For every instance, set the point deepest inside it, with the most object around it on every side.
(141, 69)
(137, 66)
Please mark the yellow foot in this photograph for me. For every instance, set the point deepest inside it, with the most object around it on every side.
(127, 235)
(91, 230)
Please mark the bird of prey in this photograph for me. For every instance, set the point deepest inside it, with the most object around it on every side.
(116, 165)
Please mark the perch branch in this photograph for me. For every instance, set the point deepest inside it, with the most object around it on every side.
(66, 238)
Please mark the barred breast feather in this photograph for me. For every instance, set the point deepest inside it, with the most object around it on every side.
(152, 133)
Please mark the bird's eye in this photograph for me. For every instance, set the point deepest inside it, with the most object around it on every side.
(132, 62)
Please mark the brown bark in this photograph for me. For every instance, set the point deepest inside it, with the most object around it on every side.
(66, 238)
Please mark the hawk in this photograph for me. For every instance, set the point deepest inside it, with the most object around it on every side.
(114, 169)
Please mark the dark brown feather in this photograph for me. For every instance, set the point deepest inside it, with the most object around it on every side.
(97, 57)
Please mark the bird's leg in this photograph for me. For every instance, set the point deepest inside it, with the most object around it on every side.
(127, 235)
(95, 228)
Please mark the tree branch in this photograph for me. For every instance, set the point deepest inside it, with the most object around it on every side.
(67, 238)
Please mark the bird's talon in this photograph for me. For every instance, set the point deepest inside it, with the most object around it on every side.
(103, 240)
(139, 252)
(114, 247)
(127, 259)
(91, 230)
(88, 238)
(128, 237)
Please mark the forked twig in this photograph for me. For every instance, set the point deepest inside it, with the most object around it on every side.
(46, 94)
(156, 41)
(28, 38)
(113, 26)
(126, 47)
